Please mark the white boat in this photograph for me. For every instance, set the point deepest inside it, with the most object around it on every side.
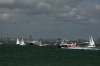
(41, 43)
(91, 42)
(22, 42)
(17, 42)
(33, 42)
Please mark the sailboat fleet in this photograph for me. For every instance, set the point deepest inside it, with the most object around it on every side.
(63, 44)
(40, 43)
(20, 42)
(91, 45)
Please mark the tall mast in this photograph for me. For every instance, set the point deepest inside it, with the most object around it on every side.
(30, 38)
(6, 36)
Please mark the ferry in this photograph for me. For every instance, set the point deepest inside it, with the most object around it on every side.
(70, 46)
(66, 45)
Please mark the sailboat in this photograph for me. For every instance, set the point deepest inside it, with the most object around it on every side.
(56, 42)
(91, 42)
(41, 43)
(17, 41)
(22, 42)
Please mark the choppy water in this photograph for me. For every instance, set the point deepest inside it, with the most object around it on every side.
(32, 55)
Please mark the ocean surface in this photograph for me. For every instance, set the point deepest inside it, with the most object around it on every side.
(34, 55)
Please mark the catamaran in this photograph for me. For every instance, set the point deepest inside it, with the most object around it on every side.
(17, 41)
(22, 42)
(91, 42)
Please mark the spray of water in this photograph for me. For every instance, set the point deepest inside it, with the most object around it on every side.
(84, 48)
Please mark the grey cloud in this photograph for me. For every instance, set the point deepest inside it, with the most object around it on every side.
(97, 6)
(53, 15)
(6, 2)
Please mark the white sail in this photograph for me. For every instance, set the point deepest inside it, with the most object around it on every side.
(17, 41)
(22, 42)
(56, 42)
(91, 42)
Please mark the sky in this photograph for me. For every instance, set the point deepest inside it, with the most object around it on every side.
(50, 19)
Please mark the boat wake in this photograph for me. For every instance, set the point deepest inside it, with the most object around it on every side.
(75, 48)
(83, 48)
(87, 48)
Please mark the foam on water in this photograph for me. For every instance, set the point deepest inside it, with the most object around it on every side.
(83, 48)
(76, 48)
(86, 48)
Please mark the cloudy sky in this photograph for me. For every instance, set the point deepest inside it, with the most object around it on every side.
(65, 19)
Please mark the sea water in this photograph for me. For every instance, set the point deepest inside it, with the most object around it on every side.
(34, 55)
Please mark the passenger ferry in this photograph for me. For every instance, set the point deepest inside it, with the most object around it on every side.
(64, 44)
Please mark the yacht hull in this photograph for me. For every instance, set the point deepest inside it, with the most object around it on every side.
(91, 46)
